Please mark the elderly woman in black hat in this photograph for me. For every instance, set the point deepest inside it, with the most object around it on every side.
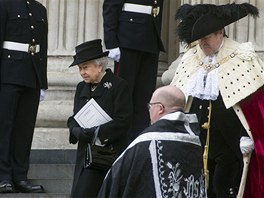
(224, 81)
(112, 95)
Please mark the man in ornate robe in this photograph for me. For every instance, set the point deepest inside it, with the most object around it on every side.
(165, 160)
(229, 75)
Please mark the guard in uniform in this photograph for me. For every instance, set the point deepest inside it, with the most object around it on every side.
(132, 32)
(23, 72)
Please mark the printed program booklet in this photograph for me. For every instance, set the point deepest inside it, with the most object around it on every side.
(91, 114)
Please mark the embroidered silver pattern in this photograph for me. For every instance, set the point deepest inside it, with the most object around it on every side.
(175, 177)
(179, 185)
(160, 168)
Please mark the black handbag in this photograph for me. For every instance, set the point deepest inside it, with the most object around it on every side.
(99, 157)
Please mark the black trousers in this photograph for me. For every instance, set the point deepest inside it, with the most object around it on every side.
(225, 159)
(224, 169)
(139, 69)
(18, 110)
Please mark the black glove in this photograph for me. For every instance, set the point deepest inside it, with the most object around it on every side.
(72, 123)
(72, 138)
(84, 134)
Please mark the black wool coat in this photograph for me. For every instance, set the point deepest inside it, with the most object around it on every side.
(113, 95)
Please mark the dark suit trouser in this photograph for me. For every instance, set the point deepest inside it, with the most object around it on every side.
(18, 110)
(224, 169)
(139, 69)
(225, 158)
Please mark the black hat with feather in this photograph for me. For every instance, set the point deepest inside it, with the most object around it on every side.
(197, 21)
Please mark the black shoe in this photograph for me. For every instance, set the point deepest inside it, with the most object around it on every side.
(26, 187)
(6, 187)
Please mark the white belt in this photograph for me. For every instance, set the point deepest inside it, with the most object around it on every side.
(23, 47)
(144, 9)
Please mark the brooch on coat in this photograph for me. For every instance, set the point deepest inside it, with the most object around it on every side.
(107, 85)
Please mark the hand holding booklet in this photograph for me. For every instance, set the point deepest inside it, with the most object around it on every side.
(91, 114)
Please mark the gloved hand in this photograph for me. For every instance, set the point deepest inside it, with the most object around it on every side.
(246, 145)
(82, 134)
(42, 95)
(114, 54)
(72, 138)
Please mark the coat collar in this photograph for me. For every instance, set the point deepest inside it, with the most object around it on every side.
(105, 83)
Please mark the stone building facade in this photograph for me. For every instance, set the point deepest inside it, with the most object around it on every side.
(72, 22)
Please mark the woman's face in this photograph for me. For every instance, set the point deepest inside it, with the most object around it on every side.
(211, 43)
(90, 72)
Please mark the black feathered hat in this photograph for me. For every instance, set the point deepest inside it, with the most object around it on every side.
(88, 50)
(197, 21)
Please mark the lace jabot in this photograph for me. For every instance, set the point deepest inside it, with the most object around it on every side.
(204, 85)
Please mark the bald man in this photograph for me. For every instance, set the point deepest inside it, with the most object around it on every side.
(170, 99)
(165, 160)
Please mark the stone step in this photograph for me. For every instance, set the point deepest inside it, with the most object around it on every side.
(64, 78)
(58, 186)
(41, 156)
(35, 195)
(55, 178)
(51, 171)
(52, 161)
(59, 93)
(51, 139)
(54, 113)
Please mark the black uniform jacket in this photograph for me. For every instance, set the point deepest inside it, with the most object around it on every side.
(130, 29)
(113, 96)
(230, 127)
(23, 22)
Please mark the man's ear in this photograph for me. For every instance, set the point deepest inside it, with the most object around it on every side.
(162, 109)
